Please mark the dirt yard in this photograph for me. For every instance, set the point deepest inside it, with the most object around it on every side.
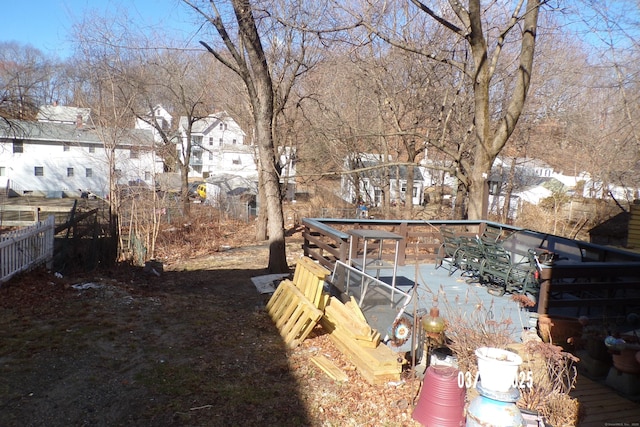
(191, 347)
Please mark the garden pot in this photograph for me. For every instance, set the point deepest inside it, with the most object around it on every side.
(559, 330)
(441, 401)
(532, 418)
(498, 368)
(626, 361)
(597, 350)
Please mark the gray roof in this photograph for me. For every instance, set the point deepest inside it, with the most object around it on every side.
(60, 113)
(394, 170)
(62, 132)
(234, 185)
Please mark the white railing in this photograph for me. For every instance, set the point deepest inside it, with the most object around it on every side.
(26, 248)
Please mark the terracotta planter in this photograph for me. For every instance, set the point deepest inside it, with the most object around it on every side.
(627, 361)
(559, 330)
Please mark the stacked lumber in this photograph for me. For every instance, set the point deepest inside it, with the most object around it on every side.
(351, 334)
(298, 305)
(347, 320)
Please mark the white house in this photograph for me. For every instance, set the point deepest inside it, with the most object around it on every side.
(62, 114)
(161, 117)
(217, 146)
(371, 182)
(56, 158)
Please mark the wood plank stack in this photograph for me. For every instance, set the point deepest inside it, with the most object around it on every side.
(297, 306)
(351, 334)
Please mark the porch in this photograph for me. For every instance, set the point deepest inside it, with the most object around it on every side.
(578, 283)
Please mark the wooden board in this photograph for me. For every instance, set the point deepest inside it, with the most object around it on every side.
(345, 318)
(376, 365)
(329, 368)
(601, 405)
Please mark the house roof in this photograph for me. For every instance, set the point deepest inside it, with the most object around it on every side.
(234, 185)
(393, 171)
(62, 132)
(61, 113)
(205, 124)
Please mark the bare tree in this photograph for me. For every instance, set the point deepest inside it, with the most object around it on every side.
(480, 40)
(176, 80)
(245, 55)
(25, 78)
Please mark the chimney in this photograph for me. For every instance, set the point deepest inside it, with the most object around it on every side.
(79, 121)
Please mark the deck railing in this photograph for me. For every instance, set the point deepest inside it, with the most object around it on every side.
(584, 279)
(25, 248)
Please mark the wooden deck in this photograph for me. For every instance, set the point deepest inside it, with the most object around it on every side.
(602, 406)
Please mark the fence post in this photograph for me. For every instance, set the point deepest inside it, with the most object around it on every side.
(49, 237)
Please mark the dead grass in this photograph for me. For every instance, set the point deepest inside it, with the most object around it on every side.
(191, 347)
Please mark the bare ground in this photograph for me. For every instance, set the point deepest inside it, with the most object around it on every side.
(192, 347)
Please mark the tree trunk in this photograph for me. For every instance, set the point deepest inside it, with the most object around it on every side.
(260, 87)
(261, 221)
(247, 59)
(489, 142)
(409, 194)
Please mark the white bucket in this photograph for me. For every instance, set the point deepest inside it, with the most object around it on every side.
(498, 368)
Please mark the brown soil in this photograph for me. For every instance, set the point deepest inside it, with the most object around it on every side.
(192, 346)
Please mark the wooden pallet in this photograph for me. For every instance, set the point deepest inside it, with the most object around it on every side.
(295, 306)
(309, 277)
(293, 314)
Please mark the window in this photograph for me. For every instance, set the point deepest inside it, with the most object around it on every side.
(117, 173)
(210, 155)
(92, 149)
(220, 141)
(18, 146)
(210, 140)
(66, 146)
(196, 140)
(221, 126)
(89, 173)
(147, 175)
(234, 142)
(38, 171)
(69, 171)
(134, 153)
(237, 161)
(3, 171)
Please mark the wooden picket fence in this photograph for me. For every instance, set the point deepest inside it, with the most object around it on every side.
(23, 249)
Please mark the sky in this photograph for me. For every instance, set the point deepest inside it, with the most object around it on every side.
(47, 24)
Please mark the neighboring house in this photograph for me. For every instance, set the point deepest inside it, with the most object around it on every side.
(162, 118)
(222, 187)
(598, 190)
(66, 115)
(371, 183)
(217, 146)
(57, 158)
